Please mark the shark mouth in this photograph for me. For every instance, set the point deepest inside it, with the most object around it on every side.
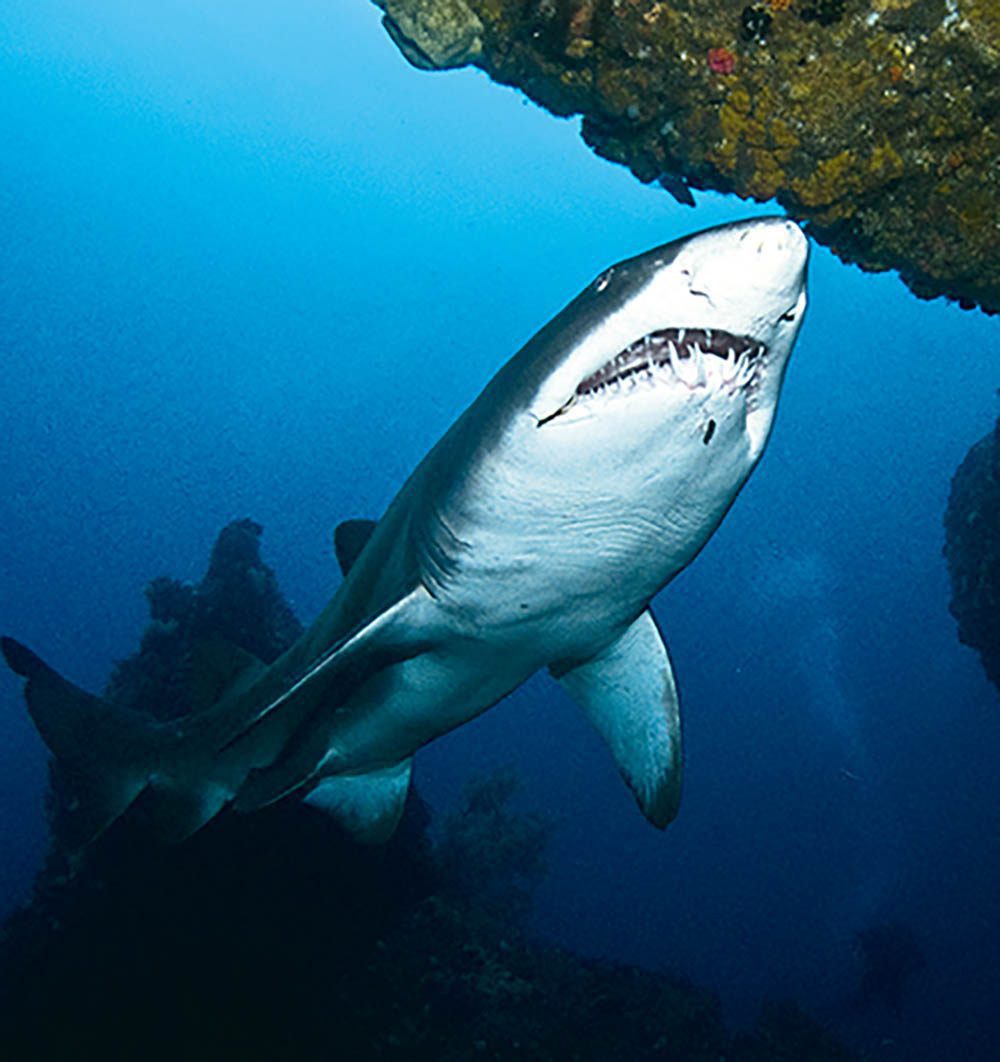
(697, 357)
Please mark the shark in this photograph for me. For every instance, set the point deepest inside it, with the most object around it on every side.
(588, 473)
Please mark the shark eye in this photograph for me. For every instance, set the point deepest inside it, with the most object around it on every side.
(790, 316)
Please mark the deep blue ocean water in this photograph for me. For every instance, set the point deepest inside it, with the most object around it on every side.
(254, 264)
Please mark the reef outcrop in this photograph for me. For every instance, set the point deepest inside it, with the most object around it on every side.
(236, 605)
(892, 957)
(972, 550)
(875, 121)
(275, 936)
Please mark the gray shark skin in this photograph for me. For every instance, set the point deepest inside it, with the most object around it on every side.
(587, 474)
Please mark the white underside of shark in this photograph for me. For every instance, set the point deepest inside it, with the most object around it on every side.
(588, 473)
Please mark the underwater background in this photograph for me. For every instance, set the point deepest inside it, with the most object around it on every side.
(254, 265)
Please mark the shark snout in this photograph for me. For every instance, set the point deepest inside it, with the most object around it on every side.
(752, 271)
(775, 247)
(769, 264)
(775, 236)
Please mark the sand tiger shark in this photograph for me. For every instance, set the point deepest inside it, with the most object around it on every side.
(591, 470)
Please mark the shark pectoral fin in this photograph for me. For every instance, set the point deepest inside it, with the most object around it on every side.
(349, 539)
(368, 806)
(628, 693)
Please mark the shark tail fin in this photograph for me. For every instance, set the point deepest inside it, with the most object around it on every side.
(105, 757)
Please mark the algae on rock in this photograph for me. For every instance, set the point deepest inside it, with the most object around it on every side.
(872, 120)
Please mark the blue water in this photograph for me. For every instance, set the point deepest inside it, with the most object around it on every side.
(254, 264)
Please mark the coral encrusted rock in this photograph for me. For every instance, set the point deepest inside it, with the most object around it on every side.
(972, 550)
(237, 606)
(875, 121)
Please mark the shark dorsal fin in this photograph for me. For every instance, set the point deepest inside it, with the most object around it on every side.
(349, 539)
(217, 664)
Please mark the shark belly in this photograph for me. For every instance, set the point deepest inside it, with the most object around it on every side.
(405, 707)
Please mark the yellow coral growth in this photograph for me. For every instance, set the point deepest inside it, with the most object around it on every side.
(845, 178)
(767, 178)
(829, 182)
(753, 142)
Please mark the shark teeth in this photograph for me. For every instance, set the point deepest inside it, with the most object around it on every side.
(696, 357)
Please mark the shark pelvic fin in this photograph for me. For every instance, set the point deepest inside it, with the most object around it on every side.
(368, 806)
(349, 539)
(105, 756)
(628, 693)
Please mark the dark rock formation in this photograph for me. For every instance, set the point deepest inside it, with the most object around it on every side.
(489, 852)
(874, 120)
(275, 936)
(972, 550)
(891, 956)
(237, 603)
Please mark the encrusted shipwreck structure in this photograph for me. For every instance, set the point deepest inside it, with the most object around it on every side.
(873, 120)
(972, 550)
